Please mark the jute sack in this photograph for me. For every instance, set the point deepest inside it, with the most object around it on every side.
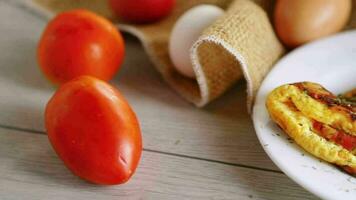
(241, 44)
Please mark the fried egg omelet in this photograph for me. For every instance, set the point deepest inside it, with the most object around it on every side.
(318, 121)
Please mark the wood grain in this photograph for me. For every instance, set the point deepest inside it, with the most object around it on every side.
(29, 169)
(222, 131)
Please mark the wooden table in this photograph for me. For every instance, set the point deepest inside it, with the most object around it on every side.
(189, 153)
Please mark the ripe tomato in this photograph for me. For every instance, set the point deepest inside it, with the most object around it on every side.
(142, 11)
(94, 131)
(79, 42)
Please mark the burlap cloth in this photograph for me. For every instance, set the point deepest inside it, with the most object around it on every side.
(241, 44)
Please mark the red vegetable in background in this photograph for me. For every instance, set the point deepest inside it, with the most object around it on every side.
(94, 131)
(80, 42)
(142, 11)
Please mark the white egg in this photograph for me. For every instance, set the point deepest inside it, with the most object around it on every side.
(186, 31)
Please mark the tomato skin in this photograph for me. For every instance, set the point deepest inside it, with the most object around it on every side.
(142, 11)
(79, 42)
(94, 131)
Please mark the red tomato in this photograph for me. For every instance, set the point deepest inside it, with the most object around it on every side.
(142, 11)
(79, 42)
(94, 131)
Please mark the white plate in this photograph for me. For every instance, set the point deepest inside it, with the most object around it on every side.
(332, 63)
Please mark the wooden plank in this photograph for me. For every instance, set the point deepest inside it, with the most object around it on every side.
(30, 169)
(222, 131)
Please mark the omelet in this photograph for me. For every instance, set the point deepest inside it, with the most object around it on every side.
(317, 120)
(349, 97)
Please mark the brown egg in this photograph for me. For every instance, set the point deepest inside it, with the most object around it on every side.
(301, 21)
